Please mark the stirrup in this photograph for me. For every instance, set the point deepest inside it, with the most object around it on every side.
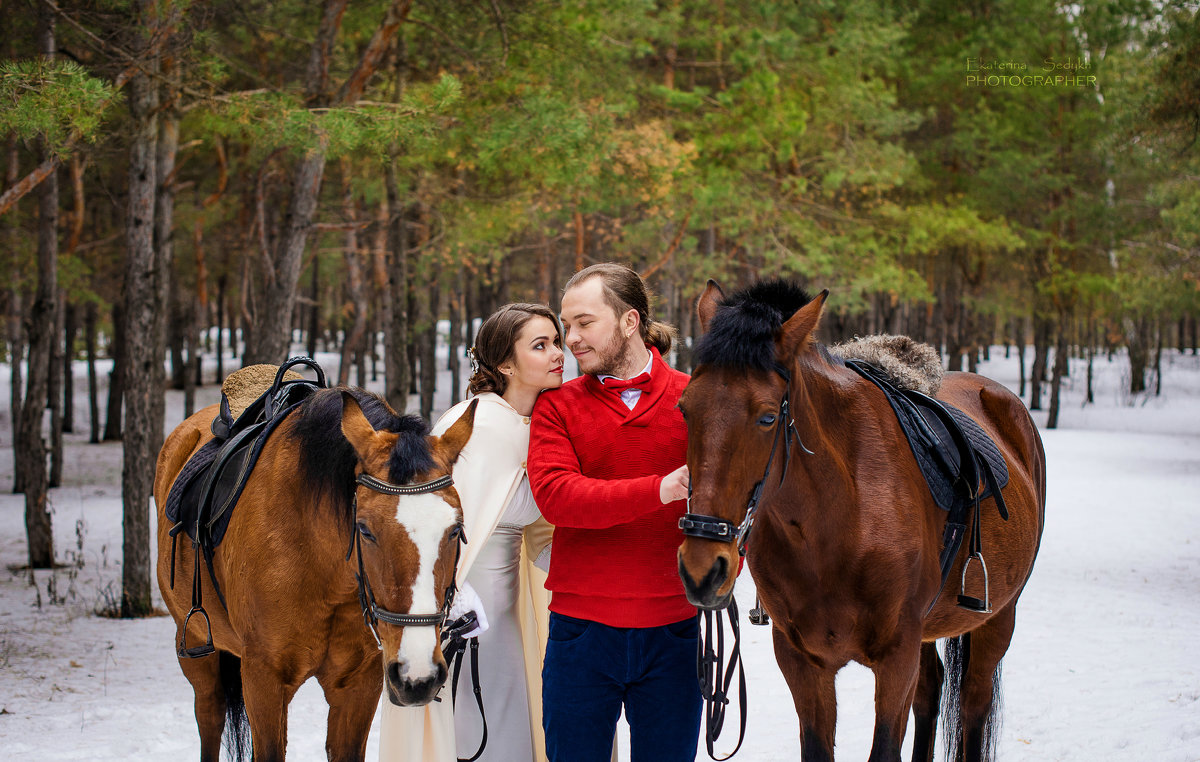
(968, 602)
(195, 652)
(758, 615)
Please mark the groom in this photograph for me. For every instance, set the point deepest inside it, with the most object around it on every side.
(606, 464)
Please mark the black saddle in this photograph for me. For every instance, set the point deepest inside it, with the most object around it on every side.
(960, 462)
(204, 494)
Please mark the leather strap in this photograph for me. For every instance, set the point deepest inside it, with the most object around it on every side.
(716, 677)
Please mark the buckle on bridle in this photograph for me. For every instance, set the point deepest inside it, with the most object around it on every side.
(708, 527)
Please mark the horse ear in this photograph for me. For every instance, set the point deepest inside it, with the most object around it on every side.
(356, 428)
(456, 437)
(798, 330)
(707, 305)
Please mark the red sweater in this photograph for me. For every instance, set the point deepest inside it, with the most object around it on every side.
(595, 467)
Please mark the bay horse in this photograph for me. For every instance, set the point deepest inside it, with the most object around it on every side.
(342, 475)
(845, 546)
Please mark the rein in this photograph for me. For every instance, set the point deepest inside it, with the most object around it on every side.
(716, 679)
(372, 613)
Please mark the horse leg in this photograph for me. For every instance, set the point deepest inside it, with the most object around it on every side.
(352, 699)
(267, 696)
(895, 683)
(205, 677)
(984, 647)
(815, 697)
(928, 699)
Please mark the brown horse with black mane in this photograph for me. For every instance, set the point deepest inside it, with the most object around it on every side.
(342, 476)
(846, 541)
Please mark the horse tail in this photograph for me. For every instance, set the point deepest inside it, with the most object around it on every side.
(237, 724)
(957, 659)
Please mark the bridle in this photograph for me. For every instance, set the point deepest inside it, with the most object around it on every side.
(724, 530)
(372, 613)
(715, 676)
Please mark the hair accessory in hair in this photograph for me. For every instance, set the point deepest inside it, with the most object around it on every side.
(474, 360)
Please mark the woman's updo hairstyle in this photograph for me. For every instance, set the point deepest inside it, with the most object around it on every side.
(625, 290)
(496, 343)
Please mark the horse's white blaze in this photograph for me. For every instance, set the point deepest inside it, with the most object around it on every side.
(426, 519)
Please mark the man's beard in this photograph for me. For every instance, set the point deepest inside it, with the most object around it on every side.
(611, 359)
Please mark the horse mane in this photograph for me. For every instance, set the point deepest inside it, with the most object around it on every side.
(327, 461)
(742, 333)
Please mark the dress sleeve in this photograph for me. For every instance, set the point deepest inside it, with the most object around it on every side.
(567, 497)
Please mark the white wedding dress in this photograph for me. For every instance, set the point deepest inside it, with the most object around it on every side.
(495, 577)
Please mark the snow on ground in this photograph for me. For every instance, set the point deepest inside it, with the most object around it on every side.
(1102, 665)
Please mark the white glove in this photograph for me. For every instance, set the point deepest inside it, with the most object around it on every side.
(468, 600)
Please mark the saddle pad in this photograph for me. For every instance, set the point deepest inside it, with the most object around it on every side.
(946, 456)
(942, 478)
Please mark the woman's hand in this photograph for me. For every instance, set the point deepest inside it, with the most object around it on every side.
(674, 485)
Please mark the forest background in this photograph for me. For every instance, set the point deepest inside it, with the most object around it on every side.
(186, 178)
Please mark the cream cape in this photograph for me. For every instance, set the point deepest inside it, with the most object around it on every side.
(487, 475)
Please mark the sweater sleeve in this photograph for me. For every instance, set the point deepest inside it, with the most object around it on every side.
(565, 496)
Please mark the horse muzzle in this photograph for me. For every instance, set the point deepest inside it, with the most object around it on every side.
(403, 691)
(705, 593)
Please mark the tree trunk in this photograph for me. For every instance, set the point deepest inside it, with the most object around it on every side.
(222, 281)
(314, 314)
(89, 334)
(15, 324)
(396, 365)
(70, 330)
(1019, 344)
(114, 421)
(456, 307)
(1091, 357)
(30, 460)
(143, 305)
(54, 392)
(175, 339)
(429, 319)
(1041, 349)
(1060, 370)
(1158, 348)
(352, 343)
(1137, 338)
(191, 370)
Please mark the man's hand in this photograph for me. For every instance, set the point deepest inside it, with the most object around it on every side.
(674, 485)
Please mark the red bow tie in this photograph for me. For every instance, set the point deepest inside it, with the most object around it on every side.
(618, 385)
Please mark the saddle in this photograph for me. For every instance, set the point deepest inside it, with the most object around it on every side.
(961, 465)
(203, 497)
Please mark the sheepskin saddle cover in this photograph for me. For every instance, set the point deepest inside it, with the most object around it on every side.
(908, 364)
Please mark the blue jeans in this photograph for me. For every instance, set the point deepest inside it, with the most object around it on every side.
(591, 670)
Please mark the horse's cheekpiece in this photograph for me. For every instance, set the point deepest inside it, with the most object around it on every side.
(204, 494)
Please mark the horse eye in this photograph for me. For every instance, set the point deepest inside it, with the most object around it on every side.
(767, 420)
(365, 532)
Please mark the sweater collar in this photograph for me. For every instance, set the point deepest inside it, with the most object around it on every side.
(650, 393)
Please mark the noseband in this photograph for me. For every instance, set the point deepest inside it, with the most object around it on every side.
(372, 613)
(724, 530)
